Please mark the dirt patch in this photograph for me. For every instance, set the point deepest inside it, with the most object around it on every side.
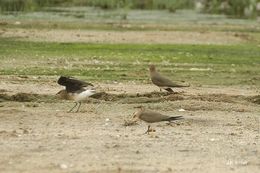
(5, 134)
(27, 97)
(156, 37)
(219, 131)
(152, 97)
(128, 98)
(24, 97)
(219, 98)
(254, 99)
(99, 140)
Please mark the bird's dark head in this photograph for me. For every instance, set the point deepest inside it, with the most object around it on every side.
(152, 68)
(62, 79)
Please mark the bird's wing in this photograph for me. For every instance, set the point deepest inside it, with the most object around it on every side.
(73, 85)
(162, 81)
(151, 116)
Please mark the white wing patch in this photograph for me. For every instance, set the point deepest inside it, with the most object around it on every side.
(83, 95)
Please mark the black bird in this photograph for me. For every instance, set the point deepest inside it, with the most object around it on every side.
(76, 90)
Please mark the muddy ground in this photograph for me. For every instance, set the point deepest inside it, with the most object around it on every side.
(219, 132)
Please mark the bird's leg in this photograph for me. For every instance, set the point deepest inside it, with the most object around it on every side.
(73, 107)
(100, 104)
(78, 106)
(148, 130)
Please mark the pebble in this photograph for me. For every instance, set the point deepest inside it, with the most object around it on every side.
(63, 166)
(181, 110)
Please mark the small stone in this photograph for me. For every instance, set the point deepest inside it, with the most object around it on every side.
(17, 23)
(63, 166)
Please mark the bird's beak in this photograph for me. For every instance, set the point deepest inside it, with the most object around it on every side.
(94, 91)
(134, 117)
(57, 93)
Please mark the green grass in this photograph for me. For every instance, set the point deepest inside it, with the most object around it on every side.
(33, 5)
(97, 19)
(223, 65)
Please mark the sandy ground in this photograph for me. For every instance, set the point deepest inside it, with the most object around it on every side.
(219, 133)
(159, 37)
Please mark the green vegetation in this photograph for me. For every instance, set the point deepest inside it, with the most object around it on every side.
(236, 8)
(23, 5)
(199, 64)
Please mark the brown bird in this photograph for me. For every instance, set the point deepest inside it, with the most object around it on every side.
(75, 90)
(150, 116)
(163, 82)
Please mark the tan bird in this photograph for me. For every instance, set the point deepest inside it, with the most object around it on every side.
(163, 82)
(150, 116)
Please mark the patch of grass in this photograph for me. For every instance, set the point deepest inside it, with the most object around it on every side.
(198, 64)
(122, 20)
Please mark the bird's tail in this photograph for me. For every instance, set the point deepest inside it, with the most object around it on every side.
(174, 118)
(169, 90)
(183, 84)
